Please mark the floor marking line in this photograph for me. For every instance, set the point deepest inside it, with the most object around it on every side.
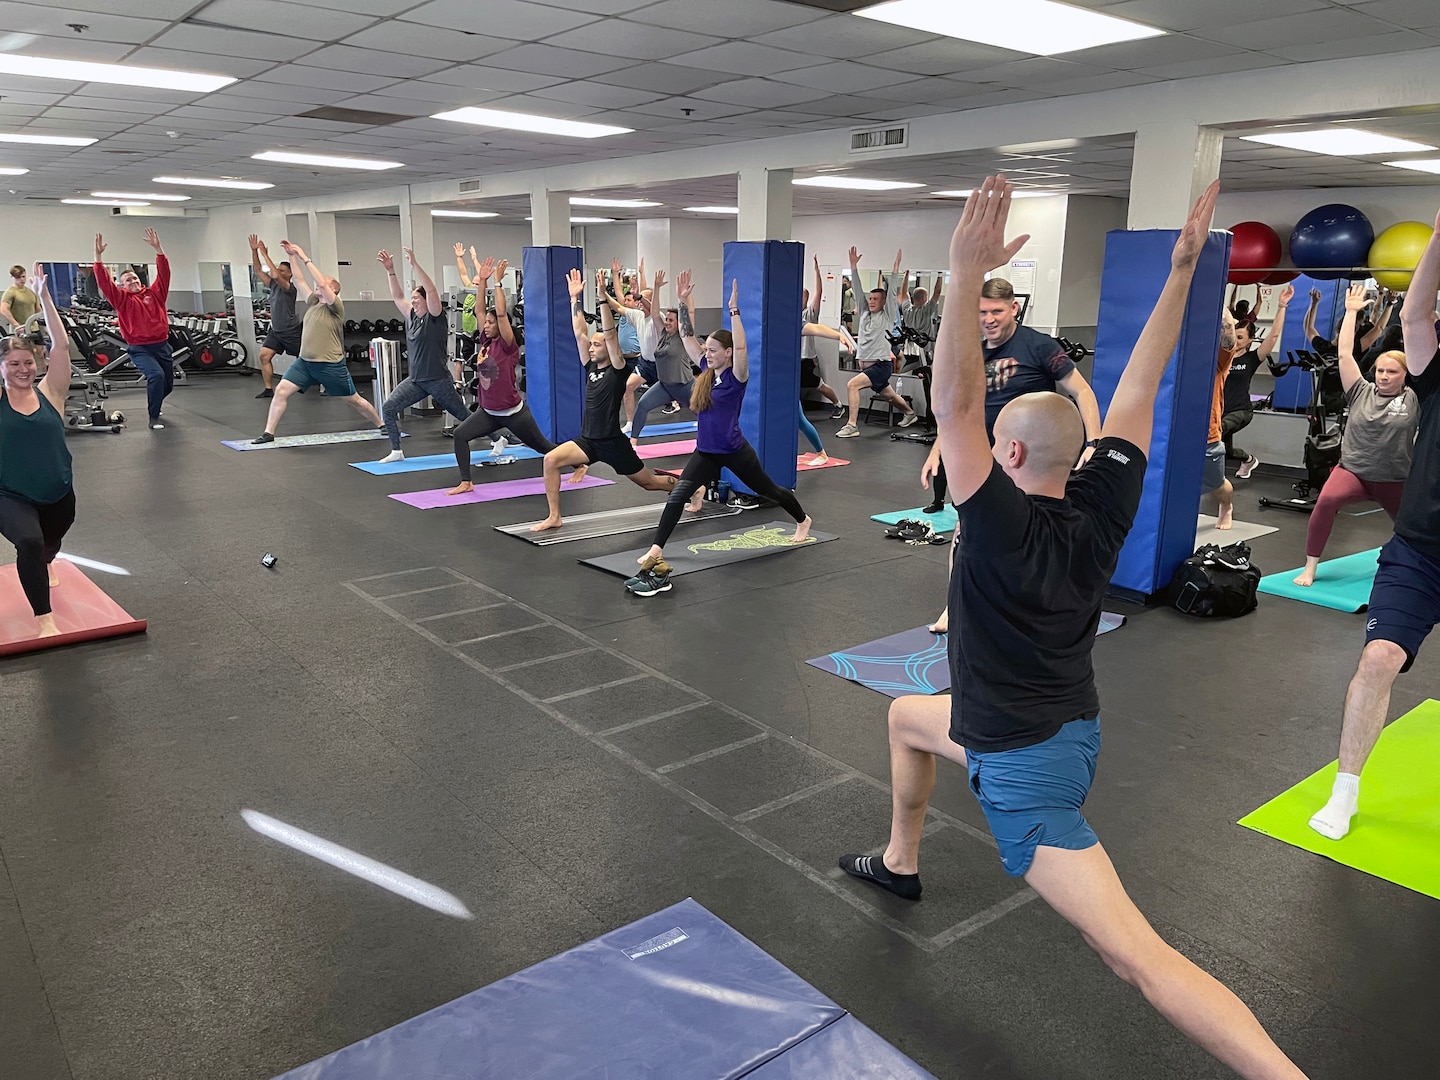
(793, 798)
(417, 592)
(706, 755)
(544, 659)
(500, 633)
(666, 715)
(462, 611)
(398, 573)
(984, 918)
(591, 689)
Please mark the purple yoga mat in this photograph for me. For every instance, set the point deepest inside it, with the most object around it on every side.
(504, 489)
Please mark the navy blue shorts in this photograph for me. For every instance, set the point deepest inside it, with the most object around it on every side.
(879, 374)
(1033, 795)
(647, 371)
(1405, 599)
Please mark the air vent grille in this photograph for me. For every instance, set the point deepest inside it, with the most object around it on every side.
(469, 187)
(354, 116)
(875, 140)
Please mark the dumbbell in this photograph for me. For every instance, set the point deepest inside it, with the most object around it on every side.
(367, 327)
(396, 326)
(351, 326)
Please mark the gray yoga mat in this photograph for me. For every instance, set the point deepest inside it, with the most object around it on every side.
(717, 549)
(608, 523)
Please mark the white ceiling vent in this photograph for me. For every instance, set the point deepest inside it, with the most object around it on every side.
(257, 209)
(880, 139)
(469, 187)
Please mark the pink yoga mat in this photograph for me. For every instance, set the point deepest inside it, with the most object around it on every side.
(833, 463)
(647, 451)
(503, 489)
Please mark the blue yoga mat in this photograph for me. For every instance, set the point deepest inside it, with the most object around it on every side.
(1340, 584)
(513, 452)
(944, 521)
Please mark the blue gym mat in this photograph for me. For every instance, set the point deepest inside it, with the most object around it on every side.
(943, 522)
(675, 994)
(513, 452)
(1341, 584)
(320, 438)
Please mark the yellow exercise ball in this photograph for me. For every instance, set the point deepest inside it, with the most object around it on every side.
(1399, 247)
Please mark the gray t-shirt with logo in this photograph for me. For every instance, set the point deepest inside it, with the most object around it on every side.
(874, 325)
(1379, 438)
(282, 308)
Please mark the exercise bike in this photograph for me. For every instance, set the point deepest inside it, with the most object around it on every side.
(923, 432)
(1322, 443)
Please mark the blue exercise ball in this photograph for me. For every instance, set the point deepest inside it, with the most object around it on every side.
(1333, 236)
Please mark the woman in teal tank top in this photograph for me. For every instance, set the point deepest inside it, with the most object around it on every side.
(37, 501)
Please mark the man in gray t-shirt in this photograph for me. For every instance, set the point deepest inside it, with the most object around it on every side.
(921, 315)
(882, 311)
(284, 333)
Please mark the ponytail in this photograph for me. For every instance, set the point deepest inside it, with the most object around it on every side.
(700, 392)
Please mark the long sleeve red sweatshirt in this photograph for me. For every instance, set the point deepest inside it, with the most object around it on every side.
(143, 318)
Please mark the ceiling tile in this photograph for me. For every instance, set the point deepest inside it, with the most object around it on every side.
(513, 19)
(1092, 84)
(603, 7)
(944, 56)
(730, 19)
(220, 42)
(663, 78)
(1220, 64)
(529, 103)
(701, 109)
(242, 67)
(75, 48)
(759, 93)
(450, 44)
(1397, 41)
(598, 94)
(1275, 33)
(492, 79)
(371, 7)
(1416, 14)
(1189, 15)
(548, 60)
(843, 37)
(1171, 49)
(346, 58)
(152, 9)
(438, 94)
(746, 58)
(633, 40)
(846, 77)
(284, 17)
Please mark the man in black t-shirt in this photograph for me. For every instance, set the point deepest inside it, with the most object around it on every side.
(1405, 599)
(1039, 547)
(1238, 409)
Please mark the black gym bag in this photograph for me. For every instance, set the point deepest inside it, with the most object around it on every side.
(1215, 581)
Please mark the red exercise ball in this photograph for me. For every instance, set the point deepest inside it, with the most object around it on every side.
(1254, 251)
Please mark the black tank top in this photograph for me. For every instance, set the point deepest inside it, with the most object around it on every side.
(34, 460)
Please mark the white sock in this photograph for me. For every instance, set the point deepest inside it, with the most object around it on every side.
(497, 446)
(393, 455)
(1333, 819)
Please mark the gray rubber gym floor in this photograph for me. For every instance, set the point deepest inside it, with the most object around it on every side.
(512, 727)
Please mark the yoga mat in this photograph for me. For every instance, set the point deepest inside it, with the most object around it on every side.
(680, 427)
(513, 452)
(944, 521)
(82, 611)
(609, 523)
(833, 463)
(1341, 584)
(320, 438)
(718, 549)
(436, 498)
(1396, 834)
(1206, 533)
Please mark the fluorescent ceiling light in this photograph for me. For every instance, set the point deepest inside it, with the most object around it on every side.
(1338, 142)
(619, 204)
(48, 140)
(463, 213)
(853, 183)
(1041, 27)
(13, 172)
(586, 220)
(200, 181)
(44, 67)
(104, 202)
(539, 125)
(328, 161)
(954, 194)
(1430, 165)
(139, 195)
(1021, 193)
(712, 210)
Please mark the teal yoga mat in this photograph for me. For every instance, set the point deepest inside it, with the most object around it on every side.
(944, 521)
(1341, 584)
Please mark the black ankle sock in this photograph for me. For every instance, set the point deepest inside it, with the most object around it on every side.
(872, 868)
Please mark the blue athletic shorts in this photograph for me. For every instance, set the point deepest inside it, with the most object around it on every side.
(647, 371)
(1405, 599)
(879, 374)
(1214, 477)
(1033, 795)
(335, 378)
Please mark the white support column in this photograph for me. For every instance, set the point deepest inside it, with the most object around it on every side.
(549, 218)
(417, 232)
(766, 203)
(652, 247)
(1173, 163)
(324, 249)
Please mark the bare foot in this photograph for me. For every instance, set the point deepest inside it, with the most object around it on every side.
(650, 556)
(696, 501)
(462, 488)
(802, 532)
(942, 624)
(1306, 578)
(578, 475)
(1226, 519)
(553, 522)
(54, 578)
(46, 625)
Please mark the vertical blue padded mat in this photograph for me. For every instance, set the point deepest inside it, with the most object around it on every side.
(1292, 390)
(1136, 266)
(554, 379)
(771, 274)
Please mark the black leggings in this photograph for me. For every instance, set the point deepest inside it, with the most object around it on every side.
(36, 532)
(939, 485)
(703, 469)
(521, 424)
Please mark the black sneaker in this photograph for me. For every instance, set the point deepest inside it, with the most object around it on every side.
(935, 507)
(647, 583)
(266, 437)
(267, 392)
(838, 412)
(744, 502)
(671, 409)
(872, 868)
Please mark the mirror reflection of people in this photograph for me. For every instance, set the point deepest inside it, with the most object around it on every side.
(144, 322)
(19, 302)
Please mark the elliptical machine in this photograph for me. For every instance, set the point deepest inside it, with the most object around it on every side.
(1326, 416)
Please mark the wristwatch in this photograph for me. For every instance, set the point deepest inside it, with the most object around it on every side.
(1092, 443)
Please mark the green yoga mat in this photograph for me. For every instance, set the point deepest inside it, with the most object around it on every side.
(1396, 834)
(1342, 584)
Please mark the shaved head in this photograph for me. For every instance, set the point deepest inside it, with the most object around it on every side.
(1050, 434)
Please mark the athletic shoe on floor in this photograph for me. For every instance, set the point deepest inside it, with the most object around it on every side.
(156, 425)
(656, 563)
(647, 583)
(626, 429)
(935, 507)
(267, 392)
(849, 431)
(872, 868)
(671, 409)
(744, 502)
(1247, 467)
(497, 446)
(267, 437)
(909, 419)
(838, 412)
(448, 432)
(392, 456)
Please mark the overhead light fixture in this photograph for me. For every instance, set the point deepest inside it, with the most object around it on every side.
(327, 161)
(463, 213)
(13, 172)
(1338, 142)
(1041, 27)
(618, 204)
(104, 202)
(139, 195)
(954, 194)
(712, 210)
(200, 181)
(1426, 165)
(1015, 193)
(47, 140)
(586, 220)
(45, 67)
(538, 125)
(854, 183)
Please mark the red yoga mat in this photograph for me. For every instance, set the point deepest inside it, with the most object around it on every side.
(82, 611)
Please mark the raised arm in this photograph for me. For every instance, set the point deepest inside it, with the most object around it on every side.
(102, 274)
(1384, 304)
(260, 271)
(957, 392)
(855, 258)
(1417, 316)
(320, 288)
(686, 316)
(56, 383)
(1272, 336)
(1080, 392)
(576, 284)
(1132, 409)
(502, 314)
(432, 294)
(816, 293)
(740, 357)
(607, 324)
(397, 293)
(1309, 324)
(162, 267)
(903, 296)
(657, 309)
(1354, 304)
(465, 279)
(939, 284)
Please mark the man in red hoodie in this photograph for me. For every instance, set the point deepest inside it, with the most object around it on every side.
(144, 322)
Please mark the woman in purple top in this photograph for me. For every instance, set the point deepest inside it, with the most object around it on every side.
(715, 400)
